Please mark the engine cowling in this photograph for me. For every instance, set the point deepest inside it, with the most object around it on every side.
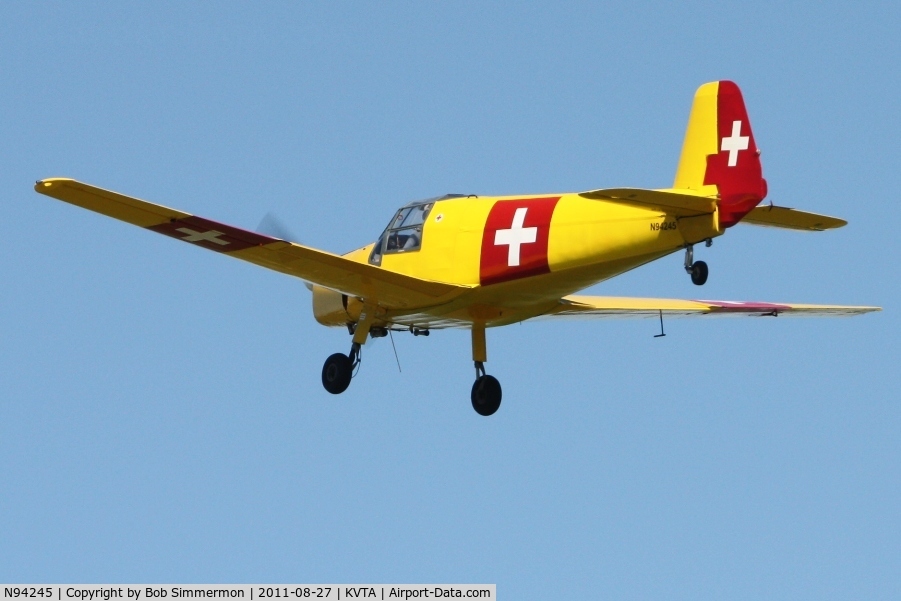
(330, 307)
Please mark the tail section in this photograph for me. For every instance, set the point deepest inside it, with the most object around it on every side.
(719, 156)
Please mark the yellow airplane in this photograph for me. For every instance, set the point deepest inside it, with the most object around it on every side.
(474, 262)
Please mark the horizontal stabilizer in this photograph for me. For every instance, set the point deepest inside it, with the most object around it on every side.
(792, 219)
(623, 307)
(674, 203)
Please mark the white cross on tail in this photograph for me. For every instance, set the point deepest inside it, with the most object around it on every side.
(195, 236)
(516, 236)
(734, 143)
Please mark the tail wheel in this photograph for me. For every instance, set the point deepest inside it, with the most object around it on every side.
(336, 373)
(699, 273)
(486, 395)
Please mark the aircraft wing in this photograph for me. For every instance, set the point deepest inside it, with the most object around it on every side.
(621, 307)
(389, 289)
(792, 219)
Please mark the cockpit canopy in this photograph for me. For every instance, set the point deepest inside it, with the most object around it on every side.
(404, 232)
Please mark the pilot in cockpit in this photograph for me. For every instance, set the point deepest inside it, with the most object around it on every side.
(404, 232)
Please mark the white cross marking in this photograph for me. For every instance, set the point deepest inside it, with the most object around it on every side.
(195, 236)
(516, 236)
(735, 143)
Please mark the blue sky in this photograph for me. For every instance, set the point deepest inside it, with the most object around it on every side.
(161, 415)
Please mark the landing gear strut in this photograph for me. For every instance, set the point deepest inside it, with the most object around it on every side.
(486, 390)
(339, 368)
(696, 269)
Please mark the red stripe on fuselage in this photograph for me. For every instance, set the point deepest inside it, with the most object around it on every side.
(513, 250)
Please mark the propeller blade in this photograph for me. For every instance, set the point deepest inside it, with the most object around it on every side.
(271, 225)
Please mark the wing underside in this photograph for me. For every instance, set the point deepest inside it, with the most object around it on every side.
(388, 289)
(626, 307)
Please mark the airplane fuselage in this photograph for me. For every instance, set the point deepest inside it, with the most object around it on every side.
(520, 254)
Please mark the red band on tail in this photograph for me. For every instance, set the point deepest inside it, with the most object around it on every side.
(735, 169)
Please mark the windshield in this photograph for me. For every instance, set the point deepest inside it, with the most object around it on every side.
(403, 234)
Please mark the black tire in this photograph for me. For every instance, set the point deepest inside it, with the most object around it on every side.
(486, 395)
(699, 273)
(336, 373)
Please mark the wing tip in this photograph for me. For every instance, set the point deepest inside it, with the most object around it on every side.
(42, 185)
(833, 224)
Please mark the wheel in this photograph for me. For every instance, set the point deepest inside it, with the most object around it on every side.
(336, 373)
(486, 395)
(698, 273)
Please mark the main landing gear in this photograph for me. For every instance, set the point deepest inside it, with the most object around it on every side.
(696, 269)
(486, 390)
(339, 368)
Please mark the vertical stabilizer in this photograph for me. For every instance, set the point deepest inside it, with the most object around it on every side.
(719, 156)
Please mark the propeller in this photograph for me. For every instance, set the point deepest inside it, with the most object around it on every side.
(272, 225)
